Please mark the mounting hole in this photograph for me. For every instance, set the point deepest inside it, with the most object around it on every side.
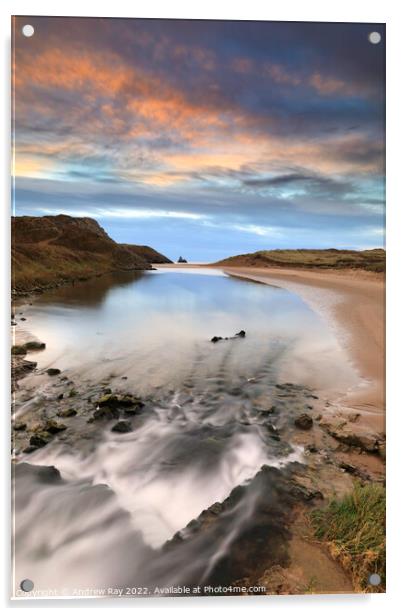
(27, 585)
(374, 38)
(28, 30)
(374, 579)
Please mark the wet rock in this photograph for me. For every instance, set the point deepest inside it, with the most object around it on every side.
(53, 371)
(216, 339)
(53, 427)
(18, 349)
(122, 427)
(19, 426)
(39, 440)
(240, 334)
(120, 400)
(20, 368)
(353, 437)
(106, 412)
(34, 345)
(67, 413)
(304, 422)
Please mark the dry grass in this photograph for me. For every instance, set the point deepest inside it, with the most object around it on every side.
(370, 260)
(354, 530)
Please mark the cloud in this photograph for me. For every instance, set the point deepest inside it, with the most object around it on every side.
(248, 126)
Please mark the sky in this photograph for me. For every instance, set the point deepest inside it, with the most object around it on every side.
(203, 138)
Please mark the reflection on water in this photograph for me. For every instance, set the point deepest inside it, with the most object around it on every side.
(155, 329)
(106, 519)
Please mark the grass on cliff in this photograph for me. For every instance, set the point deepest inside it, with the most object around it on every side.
(369, 260)
(354, 530)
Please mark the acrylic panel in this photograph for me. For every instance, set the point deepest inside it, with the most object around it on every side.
(197, 307)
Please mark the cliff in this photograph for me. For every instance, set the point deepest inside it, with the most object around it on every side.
(52, 250)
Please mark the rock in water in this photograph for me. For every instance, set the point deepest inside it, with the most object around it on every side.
(304, 421)
(53, 371)
(38, 440)
(122, 427)
(67, 413)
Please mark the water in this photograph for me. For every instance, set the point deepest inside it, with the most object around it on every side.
(121, 497)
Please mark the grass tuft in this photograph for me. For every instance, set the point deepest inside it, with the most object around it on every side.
(354, 529)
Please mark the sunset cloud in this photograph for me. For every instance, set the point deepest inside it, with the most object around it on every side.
(243, 123)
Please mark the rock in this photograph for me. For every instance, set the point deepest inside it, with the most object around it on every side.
(353, 417)
(60, 397)
(34, 345)
(304, 422)
(181, 260)
(311, 448)
(39, 440)
(240, 334)
(267, 412)
(216, 339)
(106, 412)
(53, 371)
(120, 400)
(122, 427)
(19, 426)
(18, 349)
(29, 449)
(67, 413)
(54, 427)
(23, 319)
(353, 437)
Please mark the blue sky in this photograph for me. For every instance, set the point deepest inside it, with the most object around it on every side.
(205, 139)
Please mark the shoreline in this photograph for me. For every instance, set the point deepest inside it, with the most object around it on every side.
(354, 303)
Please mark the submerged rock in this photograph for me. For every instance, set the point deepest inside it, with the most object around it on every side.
(122, 426)
(304, 421)
(67, 413)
